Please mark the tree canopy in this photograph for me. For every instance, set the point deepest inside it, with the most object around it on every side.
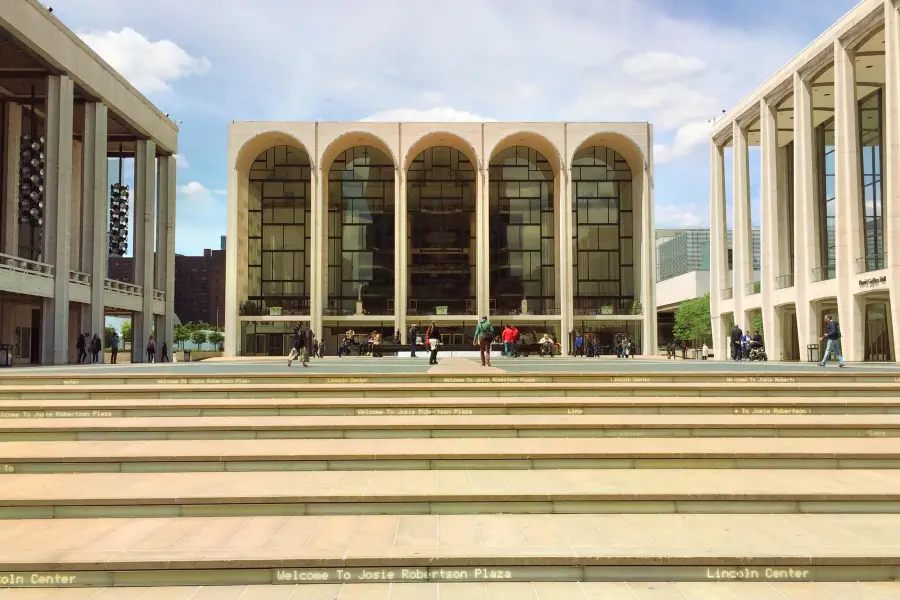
(693, 322)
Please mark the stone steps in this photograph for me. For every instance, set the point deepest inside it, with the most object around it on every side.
(441, 426)
(451, 406)
(153, 456)
(408, 548)
(102, 495)
(722, 590)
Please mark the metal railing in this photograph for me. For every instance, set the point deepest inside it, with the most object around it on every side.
(124, 287)
(872, 262)
(754, 288)
(823, 273)
(726, 294)
(785, 281)
(24, 265)
(79, 277)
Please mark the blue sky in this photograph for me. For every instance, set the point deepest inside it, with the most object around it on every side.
(675, 63)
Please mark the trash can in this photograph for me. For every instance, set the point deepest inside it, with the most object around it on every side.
(812, 352)
(187, 356)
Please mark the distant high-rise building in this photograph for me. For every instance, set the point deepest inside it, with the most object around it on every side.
(223, 244)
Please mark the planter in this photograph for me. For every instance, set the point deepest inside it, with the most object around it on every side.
(606, 310)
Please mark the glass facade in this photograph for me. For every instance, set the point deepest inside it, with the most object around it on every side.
(603, 231)
(278, 232)
(686, 252)
(871, 136)
(361, 232)
(522, 249)
(441, 233)
(827, 198)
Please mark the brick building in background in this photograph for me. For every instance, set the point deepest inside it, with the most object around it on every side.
(199, 284)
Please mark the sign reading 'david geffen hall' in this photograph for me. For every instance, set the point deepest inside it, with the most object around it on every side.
(873, 281)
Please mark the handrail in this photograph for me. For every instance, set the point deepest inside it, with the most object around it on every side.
(871, 262)
(784, 281)
(24, 265)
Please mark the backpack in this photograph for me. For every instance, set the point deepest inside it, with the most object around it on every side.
(837, 330)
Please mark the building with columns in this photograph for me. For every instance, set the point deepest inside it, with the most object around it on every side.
(65, 115)
(829, 144)
(381, 226)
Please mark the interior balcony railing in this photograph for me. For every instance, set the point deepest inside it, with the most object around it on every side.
(606, 306)
(872, 262)
(754, 288)
(784, 281)
(823, 273)
(726, 293)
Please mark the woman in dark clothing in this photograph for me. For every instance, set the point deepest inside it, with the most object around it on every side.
(434, 340)
(80, 346)
(95, 349)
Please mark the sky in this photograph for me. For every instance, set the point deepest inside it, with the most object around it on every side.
(675, 63)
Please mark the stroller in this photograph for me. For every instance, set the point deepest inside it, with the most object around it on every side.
(757, 352)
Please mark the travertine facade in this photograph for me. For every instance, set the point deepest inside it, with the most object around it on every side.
(460, 193)
(827, 128)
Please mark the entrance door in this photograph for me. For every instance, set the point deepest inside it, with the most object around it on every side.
(275, 344)
(35, 336)
(878, 335)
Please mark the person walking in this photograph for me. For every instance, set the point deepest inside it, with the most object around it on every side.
(164, 355)
(151, 350)
(434, 341)
(96, 346)
(833, 335)
(484, 337)
(579, 344)
(114, 348)
(412, 333)
(80, 349)
(299, 347)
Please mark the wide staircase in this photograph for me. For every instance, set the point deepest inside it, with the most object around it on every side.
(545, 486)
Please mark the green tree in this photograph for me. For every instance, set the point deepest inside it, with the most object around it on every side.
(216, 338)
(758, 322)
(126, 332)
(693, 322)
(181, 334)
(199, 338)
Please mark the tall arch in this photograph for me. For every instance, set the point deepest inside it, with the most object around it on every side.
(603, 231)
(442, 228)
(522, 225)
(278, 226)
(360, 229)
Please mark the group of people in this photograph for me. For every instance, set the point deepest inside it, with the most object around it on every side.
(431, 340)
(88, 349)
(588, 344)
(741, 343)
(304, 345)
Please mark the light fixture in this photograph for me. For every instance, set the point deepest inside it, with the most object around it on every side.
(118, 214)
(31, 177)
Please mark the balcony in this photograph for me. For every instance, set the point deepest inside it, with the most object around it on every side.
(159, 295)
(872, 262)
(823, 273)
(25, 266)
(754, 288)
(123, 287)
(24, 276)
(79, 277)
(606, 307)
(784, 282)
(726, 294)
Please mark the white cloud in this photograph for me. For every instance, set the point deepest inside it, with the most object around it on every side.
(687, 138)
(149, 66)
(181, 162)
(436, 115)
(661, 65)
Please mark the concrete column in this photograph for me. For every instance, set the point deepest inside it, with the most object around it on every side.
(770, 228)
(400, 266)
(891, 144)
(849, 206)
(317, 260)
(565, 289)
(58, 204)
(647, 254)
(95, 232)
(236, 203)
(806, 249)
(482, 257)
(10, 202)
(718, 247)
(742, 242)
(165, 247)
(142, 250)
